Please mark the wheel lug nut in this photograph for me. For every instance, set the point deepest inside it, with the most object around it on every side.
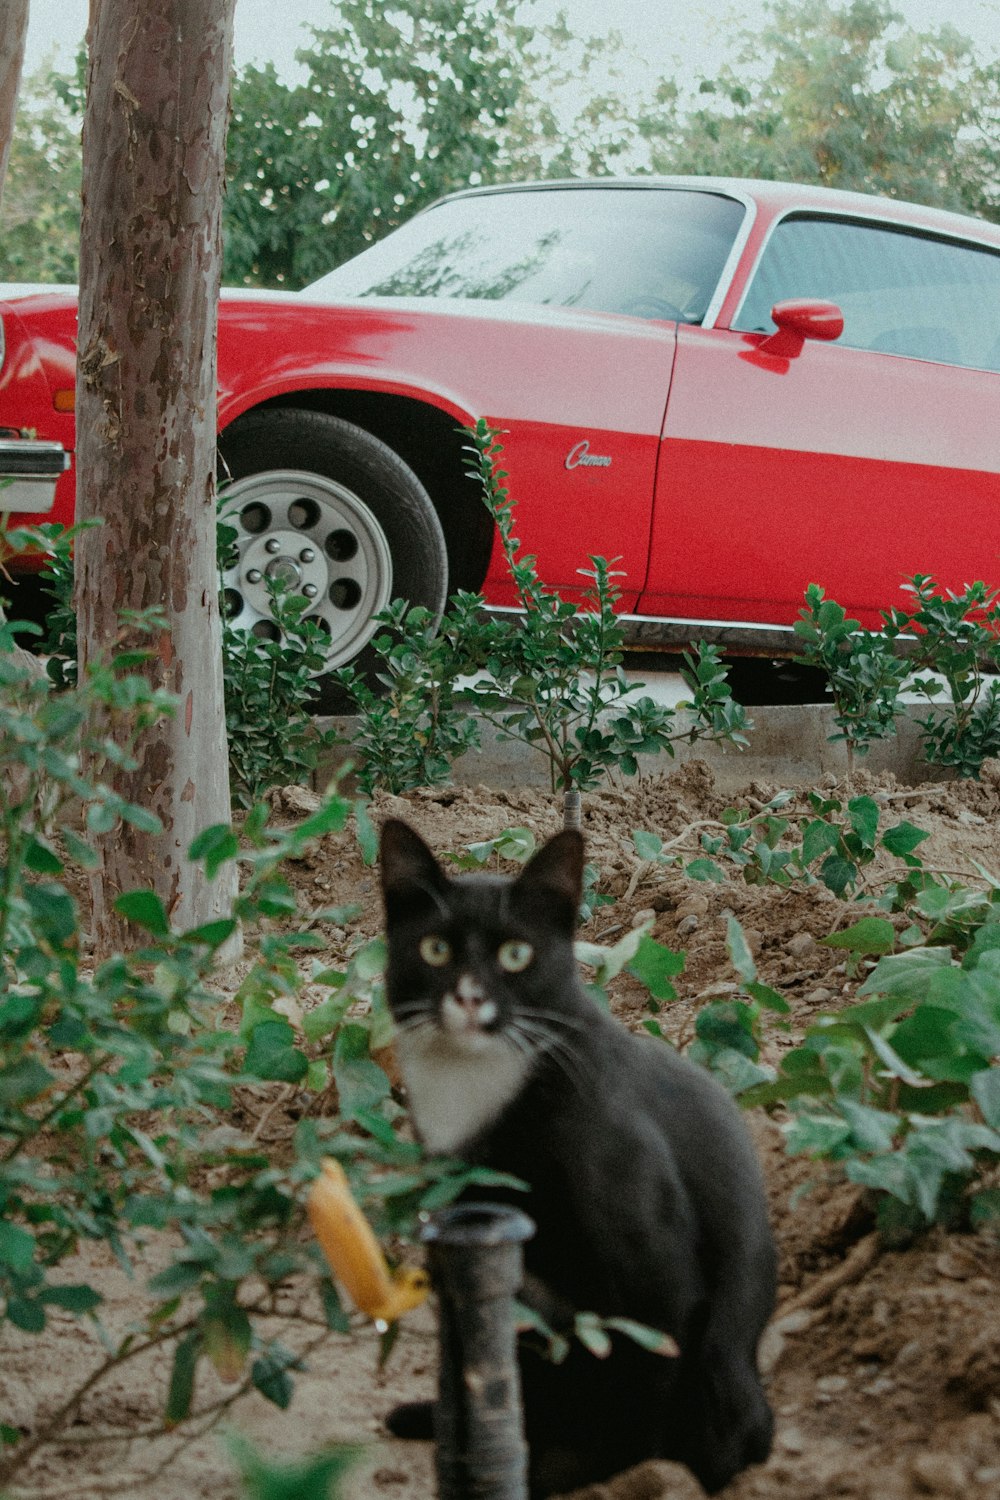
(307, 555)
(272, 545)
(254, 575)
(310, 590)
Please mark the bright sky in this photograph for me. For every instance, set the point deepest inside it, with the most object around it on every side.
(668, 34)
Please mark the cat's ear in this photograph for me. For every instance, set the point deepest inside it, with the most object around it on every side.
(411, 876)
(555, 876)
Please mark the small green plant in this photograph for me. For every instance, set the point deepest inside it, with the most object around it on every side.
(269, 685)
(835, 845)
(958, 638)
(550, 677)
(903, 1088)
(553, 677)
(727, 1031)
(864, 671)
(416, 722)
(269, 680)
(316, 1477)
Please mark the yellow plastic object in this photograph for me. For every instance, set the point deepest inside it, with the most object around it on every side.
(355, 1255)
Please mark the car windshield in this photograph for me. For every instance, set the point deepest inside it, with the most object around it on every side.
(652, 253)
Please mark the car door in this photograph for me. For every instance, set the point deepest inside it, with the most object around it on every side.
(852, 464)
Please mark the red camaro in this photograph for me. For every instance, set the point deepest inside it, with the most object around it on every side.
(736, 388)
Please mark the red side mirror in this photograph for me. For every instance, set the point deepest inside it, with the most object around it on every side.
(798, 319)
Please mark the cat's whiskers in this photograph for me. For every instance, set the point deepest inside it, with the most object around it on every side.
(535, 1037)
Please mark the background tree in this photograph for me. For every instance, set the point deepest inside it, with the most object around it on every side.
(841, 95)
(153, 163)
(400, 105)
(41, 207)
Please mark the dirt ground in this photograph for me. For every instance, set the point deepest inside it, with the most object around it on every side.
(884, 1366)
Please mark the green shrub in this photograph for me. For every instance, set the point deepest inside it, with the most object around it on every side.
(269, 683)
(117, 1084)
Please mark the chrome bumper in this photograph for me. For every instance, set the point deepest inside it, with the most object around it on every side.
(29, 470)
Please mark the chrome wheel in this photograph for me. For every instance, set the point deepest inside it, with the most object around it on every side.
(318, 538)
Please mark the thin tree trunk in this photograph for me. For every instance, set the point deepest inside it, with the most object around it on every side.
(13, 31)
(150, 264)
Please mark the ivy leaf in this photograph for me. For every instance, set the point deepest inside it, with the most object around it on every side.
(313, 1478)
(863, 813)
(592, 1335)
(145, 909)
(985, 1089)
(227, 1334)
(872, 935)
(271, 1053)
(365, 829)
(837, 873)
(26, 1314)
(17, 1247)
(739, 951)
(903, 838)
(654, 965)
(270, 1376)
(75, 1299)
(39, 858)
(214, 845)
(647, 845)
(361, 1083)
(651, 1339)
(181, 1390)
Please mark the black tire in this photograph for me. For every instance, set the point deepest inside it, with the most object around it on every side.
(338, 514)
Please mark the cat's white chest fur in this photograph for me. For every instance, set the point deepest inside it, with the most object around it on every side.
(456, 1090)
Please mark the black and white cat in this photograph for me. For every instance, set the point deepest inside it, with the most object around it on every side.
(645, 1187)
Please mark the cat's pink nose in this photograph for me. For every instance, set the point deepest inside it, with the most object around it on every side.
(469, 993)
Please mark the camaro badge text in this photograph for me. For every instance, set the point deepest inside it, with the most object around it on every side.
(581, 457)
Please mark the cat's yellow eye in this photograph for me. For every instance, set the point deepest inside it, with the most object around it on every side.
(515, 956)
(435, 951)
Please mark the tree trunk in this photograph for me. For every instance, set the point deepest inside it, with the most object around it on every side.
(13, 30)
(150, 264)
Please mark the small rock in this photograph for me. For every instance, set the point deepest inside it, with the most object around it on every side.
(987, 1476)
(693, 906)
(642, 917)
(955, 1267)
(798, 1320)
(819, 996)
(939, 1474)
(686, 925)
(832, 1385)
(801, 944)
(791, 1440)
(881, 1386)
(909, 1352)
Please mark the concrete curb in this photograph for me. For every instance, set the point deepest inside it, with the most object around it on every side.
(789, 745)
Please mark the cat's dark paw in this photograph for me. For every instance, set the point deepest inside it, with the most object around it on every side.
(413, 1420)
(736, 1430)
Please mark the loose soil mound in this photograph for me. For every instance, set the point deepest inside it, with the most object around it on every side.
(884, 1366)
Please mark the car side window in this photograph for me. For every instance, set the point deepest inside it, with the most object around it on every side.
(901, 291)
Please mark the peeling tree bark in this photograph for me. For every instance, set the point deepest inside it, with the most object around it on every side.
(150, 264)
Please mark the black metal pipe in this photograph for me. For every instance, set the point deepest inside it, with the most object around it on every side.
(477, 1268)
